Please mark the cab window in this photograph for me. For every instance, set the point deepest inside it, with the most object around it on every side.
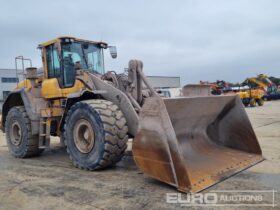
(53, 62)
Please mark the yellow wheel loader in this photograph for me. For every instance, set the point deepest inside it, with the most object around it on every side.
(249, 96)
(188, 142)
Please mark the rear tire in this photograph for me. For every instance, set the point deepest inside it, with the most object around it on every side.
(260, 102)
(252, 102)
(20, 141)
(95, 134)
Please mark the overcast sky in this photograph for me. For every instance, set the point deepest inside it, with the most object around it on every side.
(196, 40)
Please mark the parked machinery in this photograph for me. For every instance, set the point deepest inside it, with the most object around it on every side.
(217, 87)
(263, 82)
(249, 96)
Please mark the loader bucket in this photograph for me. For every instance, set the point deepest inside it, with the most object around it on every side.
(194, 142)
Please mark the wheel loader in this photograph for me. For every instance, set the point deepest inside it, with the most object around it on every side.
(249, 96)
(189, 142)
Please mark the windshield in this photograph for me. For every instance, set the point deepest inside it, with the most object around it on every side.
(88, 56)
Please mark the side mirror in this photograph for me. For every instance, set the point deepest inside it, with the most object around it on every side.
(113, 51)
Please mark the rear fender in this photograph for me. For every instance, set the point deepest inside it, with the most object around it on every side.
(19, 98)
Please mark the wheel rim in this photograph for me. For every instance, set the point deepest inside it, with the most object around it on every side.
(84, 137)
(15, 133)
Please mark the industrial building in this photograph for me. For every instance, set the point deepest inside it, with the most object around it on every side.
(160, 82)
(166, 86)
(8, 81)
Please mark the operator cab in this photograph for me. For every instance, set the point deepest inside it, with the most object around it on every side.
(63, 56)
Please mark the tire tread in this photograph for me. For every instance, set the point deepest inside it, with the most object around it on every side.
(115, 127)
(32, 141)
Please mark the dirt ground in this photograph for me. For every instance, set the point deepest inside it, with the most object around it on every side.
(51, 182)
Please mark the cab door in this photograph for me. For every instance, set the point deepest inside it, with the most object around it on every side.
(60, 75)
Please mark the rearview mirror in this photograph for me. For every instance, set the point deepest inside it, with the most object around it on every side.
(113, 51)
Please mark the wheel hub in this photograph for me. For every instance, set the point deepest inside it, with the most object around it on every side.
(84, 137)
(15, 133)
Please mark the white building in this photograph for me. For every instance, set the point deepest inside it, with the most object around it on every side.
(8, 81)
(166, 86)
(159, 82)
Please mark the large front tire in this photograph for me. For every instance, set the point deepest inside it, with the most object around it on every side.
(95, 134)
(20, 141)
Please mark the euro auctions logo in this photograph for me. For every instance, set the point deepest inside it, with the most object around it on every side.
(265, 198)
(198, 198)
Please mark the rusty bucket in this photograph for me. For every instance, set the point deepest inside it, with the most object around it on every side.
(195, 142)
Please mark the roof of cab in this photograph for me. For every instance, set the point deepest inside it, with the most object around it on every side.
(70, 37)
